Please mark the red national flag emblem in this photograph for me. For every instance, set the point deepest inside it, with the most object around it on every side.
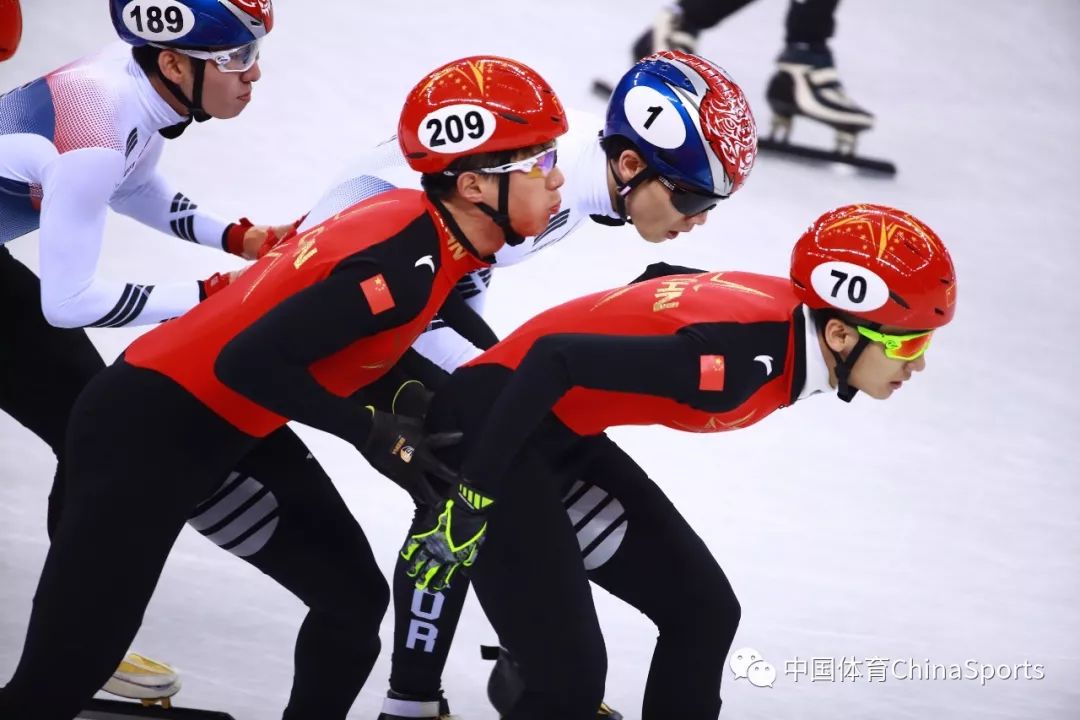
(712, 373)
(377, 293)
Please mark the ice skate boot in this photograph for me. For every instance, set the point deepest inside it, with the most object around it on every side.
(505, 684)
(148, 681)
(806, 84)
(399, 706)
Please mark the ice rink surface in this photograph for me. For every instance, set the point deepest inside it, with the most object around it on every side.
(942, 526)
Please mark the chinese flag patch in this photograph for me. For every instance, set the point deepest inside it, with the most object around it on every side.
(377, 293)
(712, 373)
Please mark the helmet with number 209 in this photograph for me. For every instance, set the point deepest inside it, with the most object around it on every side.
(876, 264)
(689, 120)
(476, 105)
(192, 24)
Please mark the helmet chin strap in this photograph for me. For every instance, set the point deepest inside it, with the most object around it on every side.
(502, 215)
(625, 188)
(193, 104)
(844, 390)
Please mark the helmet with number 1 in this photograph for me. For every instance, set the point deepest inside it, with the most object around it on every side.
(689, 120)
(476, 105)
(876, 264)
(192, 24)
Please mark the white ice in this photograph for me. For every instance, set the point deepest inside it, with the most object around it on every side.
(941, 525)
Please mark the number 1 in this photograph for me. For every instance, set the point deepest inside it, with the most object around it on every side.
(654, 112)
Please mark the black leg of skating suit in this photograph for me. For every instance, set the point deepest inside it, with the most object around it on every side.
(279, 511)
(424, 625)
(42, 368)
(653, 560)
(135, 469)
(812, 22)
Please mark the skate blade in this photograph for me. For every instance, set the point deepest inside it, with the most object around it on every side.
(98, 709)
(803, 152)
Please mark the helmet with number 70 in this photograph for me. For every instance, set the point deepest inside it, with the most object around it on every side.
(876, 264)
(480, 104)
(192, 24)
(689, 120)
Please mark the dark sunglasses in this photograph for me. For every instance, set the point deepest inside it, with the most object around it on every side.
(689, 202)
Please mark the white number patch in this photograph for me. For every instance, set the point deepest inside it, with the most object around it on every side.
(849, 287)
(158, 20)
(654, 117)
(456, 128)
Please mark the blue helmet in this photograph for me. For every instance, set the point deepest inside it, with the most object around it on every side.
(688, 119)
(192, 24)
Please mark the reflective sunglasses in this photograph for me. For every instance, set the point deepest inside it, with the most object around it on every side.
(689, 202)
(539, 165)
(233, 60)
(899, 347)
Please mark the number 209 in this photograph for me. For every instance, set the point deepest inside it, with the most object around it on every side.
(455, 128)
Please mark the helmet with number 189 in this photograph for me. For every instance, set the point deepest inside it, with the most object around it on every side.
(475, 105)
(192, 24)
(877, 264)
(688, 119)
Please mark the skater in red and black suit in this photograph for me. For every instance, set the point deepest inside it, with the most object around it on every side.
(320, 317)
(559, 504)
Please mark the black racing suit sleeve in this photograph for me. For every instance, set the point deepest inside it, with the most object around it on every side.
(269, 361)
(466, 322)
(666, 366)
(652, 365)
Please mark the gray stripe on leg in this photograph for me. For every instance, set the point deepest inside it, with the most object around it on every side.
(228, 504)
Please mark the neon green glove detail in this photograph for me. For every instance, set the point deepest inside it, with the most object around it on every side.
(435, 555)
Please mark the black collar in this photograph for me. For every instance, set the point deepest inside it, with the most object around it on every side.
(798, 367)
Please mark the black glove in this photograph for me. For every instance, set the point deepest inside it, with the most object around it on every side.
(399, 448)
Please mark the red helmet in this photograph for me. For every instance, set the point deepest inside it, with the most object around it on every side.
(475, 105)
(878, 264)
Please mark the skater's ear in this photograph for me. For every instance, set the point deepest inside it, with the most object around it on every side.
(173, 66)
(469, 186)
(630, 163)
(839, 336)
